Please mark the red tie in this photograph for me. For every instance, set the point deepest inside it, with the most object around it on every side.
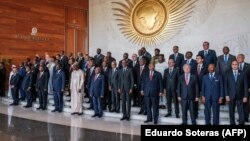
(186, 79)
(151, 75)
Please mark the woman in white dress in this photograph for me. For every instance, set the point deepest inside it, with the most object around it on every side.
(76, 89)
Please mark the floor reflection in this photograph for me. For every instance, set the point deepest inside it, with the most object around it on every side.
(18, 129)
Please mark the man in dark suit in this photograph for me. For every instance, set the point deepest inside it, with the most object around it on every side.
(236, 92)
(2, 79)
(97, 91)
(106, 101)
(98, 57)
(126, 84)
(79, 60)
(244, 67)
(141, 70)
(113, 87)
(154, 59)
(89, 75)
(152, 89)
(190, 62)
(27, 85)
(224, 62)
(209, 55)
(146, 54)
(188, 93)
(125, 57)
(14, 83)
(170, 79)
(135, 96)
(177, 57)
(58, 84)
(212, 94)
(64, 61)
(110, 59)
(42, 87)
(200, 71)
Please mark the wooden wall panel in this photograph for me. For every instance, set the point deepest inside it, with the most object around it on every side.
(17, 17)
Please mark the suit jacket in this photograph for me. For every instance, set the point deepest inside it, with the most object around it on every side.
(42, 82)
(80, 61)
(134, 69)
(246, 67)
(64, 61)
(203, 72)
(221, 67)
(152, 88)
(110, 60)
(148, 57)
(105, 73)
(126, 80)
(171, 80)
(2, 75)
(89, 76)
(190, 91)
(98, 59)
(211, 57)
(179, 60)
(14, 80)
(140, 76)
(113, 79)
(97, 86)
(58, 81)
(238, 89)
(130, 64)
(27, 81)
(192, 63)
(212, 89)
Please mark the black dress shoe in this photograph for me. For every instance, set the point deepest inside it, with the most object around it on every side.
(177, 116)
(39, 108)
(80, 114)
(27, 106)
(145, 113)
(99, 116)
(54, 110)
(59, 111)
(141, 112)
(155, 122)
(167, 115)
(44, 109)
(15, 104)
(147, 121)
(183, 124)
(128, 119)
(95, 115)
(246, 120)
(12, 104)
(89, 108)
(73, 113)
(117, 111)
(123, 118)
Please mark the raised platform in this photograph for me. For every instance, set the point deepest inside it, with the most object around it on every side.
(224, 115)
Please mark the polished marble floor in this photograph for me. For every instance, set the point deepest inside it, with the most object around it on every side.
(20, 124)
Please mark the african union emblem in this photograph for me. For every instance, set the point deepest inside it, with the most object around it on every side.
(150, 22)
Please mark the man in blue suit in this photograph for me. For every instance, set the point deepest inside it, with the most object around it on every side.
(58, 84)
(236, 92)
(27, 85)
(188, 93)
(212, 94)
(190, 62)
(209, 54)
(14, 82)
(97, 91)
(152, 89)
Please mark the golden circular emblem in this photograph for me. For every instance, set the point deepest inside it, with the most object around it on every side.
(149, 17)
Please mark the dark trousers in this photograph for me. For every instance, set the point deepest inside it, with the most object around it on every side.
(2, 89)
(58, 99)
(216, 112)
(14, 93)
(152, 103)
(135, 97)
(239, 104)
(22, 94)
(29, 97)
(97, 105)
(115, 101)
(185, 106)
(34, 94)
(43, 97)
(142, 103)
(106, 101)
(246, 109)
(172, 96)
(126, 104)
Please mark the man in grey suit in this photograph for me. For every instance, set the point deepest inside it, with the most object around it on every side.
(224, 62)
(113, 87)
(126, 83)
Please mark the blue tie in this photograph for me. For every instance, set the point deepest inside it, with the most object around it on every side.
(225, 59)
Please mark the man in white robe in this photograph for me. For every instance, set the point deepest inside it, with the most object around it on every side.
(76, 89)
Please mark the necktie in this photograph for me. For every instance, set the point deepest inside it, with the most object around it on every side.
(113, 72)
(211, 76)
(170, 71)
(186, 79)
(241, 66)
(188, 62)
(124, 70)
(199, 69)
(206, 53)
(235, 76)
(141, 69)
(151, 75)
(225, 59)
(175, 56)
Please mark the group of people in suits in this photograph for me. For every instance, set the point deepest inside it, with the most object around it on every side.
(143, 81)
